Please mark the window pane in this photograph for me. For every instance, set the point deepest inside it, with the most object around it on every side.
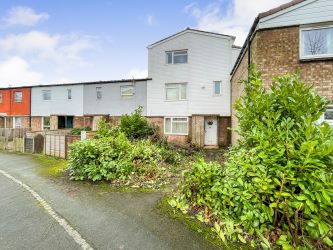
(317, 42)
(127, 90)
(179, 57)
(217, 88)
(46, 122)
(329, 114)
(167, 125)
(17, 96)
(183, 90)
(172, 94)
(169, 57)
(99, 93)
(18, 122)
(0, 97)
(46, 94)
(179, 127)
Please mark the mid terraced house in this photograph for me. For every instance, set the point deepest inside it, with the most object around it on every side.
(189, 94)
(295, 36)
(15, 107)
(75, 105)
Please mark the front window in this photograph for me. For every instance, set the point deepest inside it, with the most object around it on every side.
(0, 97)
(46, 95)
(69, 94)
(176, 57)
(46, 123)
(175, 91)
(127, 90)
(98, 93)
(18, 96)
(217, 88)
(317, 42)
(176, 125)
(17, 122)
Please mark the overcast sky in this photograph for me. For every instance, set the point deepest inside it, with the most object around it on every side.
(83, 40)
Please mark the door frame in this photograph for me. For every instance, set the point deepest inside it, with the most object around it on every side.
(217, 129)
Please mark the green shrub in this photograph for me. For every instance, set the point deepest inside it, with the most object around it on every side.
(104, 129)
(116, 158)
(136, 126)
(276, 187)
(77, 131)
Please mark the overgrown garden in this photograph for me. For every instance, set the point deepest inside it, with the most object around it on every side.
(275, 189)
(130, 154)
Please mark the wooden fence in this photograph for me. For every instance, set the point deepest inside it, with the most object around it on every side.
(12, 139)
(58, 145)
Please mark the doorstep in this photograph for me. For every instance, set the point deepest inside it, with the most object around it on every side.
(211, 147)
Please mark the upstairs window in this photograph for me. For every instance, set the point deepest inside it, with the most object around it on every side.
(176, 57)
(17, 96)
(217, 87)
(316, 42)
(0, 97)
(127, 90)
(99, 93)
(69, 94)
(175, 91)
(46, 94)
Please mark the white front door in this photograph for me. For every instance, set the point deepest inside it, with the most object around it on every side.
(210, 131)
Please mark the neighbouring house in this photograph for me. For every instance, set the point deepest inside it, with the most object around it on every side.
(189, 94)
(77, 105)
(297, 36)
(15, 107)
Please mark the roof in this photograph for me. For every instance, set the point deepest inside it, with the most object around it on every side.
(190, 30)
(79, 83)
(255, 23)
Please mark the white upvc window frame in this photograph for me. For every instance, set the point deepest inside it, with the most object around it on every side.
(18, 100)
(309, 57)
(220, 83)
(46, 127)
(123, 89)
(172, 52)
(171, 124)
(99, 90)
(69, 94)
(179, 87)
(46, 91)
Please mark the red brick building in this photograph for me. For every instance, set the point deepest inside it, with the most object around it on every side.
(297, 36)
(15, 107)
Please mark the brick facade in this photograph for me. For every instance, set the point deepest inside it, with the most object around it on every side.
(36, 123)
(276, 52)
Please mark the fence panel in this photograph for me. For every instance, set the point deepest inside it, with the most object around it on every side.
(55, 145)
(12, 139)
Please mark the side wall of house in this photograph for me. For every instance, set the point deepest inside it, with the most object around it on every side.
(276, 52)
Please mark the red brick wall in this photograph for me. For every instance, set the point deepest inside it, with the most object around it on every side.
(224, 133)
(36, 123)
(276, 52)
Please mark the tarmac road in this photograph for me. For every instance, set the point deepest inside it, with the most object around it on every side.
(87, 213)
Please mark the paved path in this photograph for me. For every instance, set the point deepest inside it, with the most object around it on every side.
(105, 220)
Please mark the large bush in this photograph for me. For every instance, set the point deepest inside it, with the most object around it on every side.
(113, 157)
(276, 187)
(136, 126)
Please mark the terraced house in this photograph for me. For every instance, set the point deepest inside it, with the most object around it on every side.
(189, 94)
(297, 36)
(15, 107)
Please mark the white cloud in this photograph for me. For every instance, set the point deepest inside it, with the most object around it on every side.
(16, 71)
(151, 20)
(24, 16)
(138, 73)
(63, 49)
(234, 19)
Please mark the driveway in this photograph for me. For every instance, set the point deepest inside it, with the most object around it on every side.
(86, 213)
